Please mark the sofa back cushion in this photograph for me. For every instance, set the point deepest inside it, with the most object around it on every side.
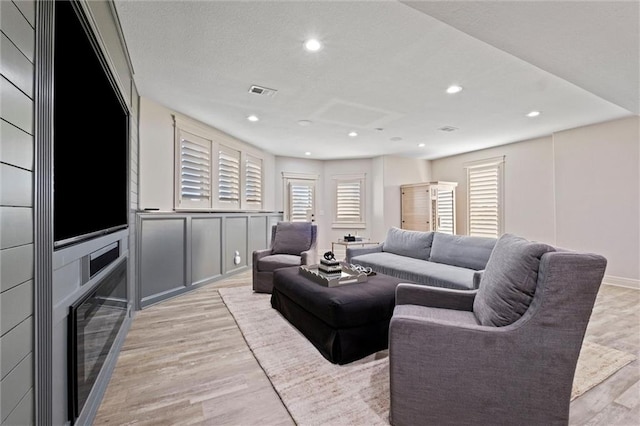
(416, 244)
(460, 250)
(509, 281)
(292, 238)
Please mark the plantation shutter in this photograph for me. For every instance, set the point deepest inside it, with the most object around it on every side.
(349, 201)
(301, 198)
(228, 177)
(445, 211)
(194, 171)
(484, 200)
(253, 181)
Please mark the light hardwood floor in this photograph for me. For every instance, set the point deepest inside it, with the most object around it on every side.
(185, 362)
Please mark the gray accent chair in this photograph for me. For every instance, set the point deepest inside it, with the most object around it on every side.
(504, 354)
(292, 244)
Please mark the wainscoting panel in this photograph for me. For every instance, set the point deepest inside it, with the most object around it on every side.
(16, 345)
(17, 226)
(206, 254)
(16, 385)
(17, 108)
(178, 252)
(162, 256)
(16, 186)
(16, 305)
(235, 244)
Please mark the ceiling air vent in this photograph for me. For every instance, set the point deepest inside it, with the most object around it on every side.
(448, 129)
(263, 91)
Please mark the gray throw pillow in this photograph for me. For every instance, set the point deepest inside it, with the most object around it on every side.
(509, 280)
(292, 238)
(416, 244)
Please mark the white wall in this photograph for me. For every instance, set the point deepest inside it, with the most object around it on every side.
(528, 186)
(597, 193)
(557, 187)
(156, 178)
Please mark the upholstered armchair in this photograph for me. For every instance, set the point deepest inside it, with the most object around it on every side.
(504, 354)
(292, 243)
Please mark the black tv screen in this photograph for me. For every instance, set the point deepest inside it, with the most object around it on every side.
(90, 137)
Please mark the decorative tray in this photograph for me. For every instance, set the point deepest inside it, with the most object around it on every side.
(347, 276)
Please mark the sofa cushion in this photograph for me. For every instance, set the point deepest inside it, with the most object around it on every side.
(402, 242)
(509, 280)
(276, 261)
(292, 238)
(418, 271)
(461, 250)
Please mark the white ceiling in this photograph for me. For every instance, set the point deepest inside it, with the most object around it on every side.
(386, 65)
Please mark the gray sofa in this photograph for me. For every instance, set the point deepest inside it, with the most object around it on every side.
(429, 258)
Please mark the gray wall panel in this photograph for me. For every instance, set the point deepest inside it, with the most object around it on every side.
(15, 386)
(16, 344)
(16, 107)
(23, 413)
(206, 244)
(235, 240)
(16, 226)
(16, 146)
(16, 305)
(16, 27)
(28, 10)
(162, 260)
(257, 235)
(15, 66)
(17, 266)
(16, 186)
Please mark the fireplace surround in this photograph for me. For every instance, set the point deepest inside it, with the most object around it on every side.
(93, 325)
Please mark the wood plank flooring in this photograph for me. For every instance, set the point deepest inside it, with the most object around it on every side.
(185, 362)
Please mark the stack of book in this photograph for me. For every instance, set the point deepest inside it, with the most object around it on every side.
(330, 267)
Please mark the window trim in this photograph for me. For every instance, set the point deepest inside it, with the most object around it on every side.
(498, 163)
(361, 223)
(287, 179)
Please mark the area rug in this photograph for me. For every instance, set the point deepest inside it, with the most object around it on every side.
(317, 392)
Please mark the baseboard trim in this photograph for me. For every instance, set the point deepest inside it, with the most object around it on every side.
(621, 282)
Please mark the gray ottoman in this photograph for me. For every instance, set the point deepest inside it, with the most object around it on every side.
(344, 323)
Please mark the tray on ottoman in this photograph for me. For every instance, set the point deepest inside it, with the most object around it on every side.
(347, 276)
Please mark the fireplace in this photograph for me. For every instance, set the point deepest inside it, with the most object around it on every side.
(94, 322)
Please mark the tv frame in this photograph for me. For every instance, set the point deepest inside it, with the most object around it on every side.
(109, 74)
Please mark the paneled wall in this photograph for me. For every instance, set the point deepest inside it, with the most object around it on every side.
(178, 252)
(16, 211)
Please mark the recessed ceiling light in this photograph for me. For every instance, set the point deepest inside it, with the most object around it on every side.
(307, 153)
(304, 122)
(353, 134)
(533, 114)
(454, 89)
(421, 145)
(253, 118)
(312, 45)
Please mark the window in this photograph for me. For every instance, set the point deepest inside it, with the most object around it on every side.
(253, 181)
(349, 212)
(194, 177)
(210, 175)
(300, 195)
(484, 197)
(228, 176)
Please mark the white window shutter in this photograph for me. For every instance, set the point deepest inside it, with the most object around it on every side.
(228, 177)
(445, 211)
(253, 181)
(194, 171)
(301, 198)
(349, 201)
(484, 200)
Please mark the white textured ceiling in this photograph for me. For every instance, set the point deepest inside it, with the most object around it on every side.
(386, 65)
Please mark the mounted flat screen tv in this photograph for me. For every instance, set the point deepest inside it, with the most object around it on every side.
(90, 161)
